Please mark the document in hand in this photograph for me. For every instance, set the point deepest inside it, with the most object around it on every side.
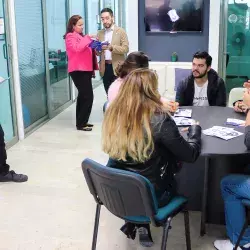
(222, 132)
(183, 121)
(97, 45)
(183, 113)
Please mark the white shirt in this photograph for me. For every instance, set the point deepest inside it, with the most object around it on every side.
(108, 38)
(200, 95)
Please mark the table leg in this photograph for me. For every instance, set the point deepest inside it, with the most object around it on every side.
(204, 199)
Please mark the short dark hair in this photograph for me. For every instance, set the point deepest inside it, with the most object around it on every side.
(107, 10)
(204, 55)
(135, 60)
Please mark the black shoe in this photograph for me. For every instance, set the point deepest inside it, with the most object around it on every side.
(145, 237)
(85, 128)
(89, 125)
(129, 230)
(12, 176)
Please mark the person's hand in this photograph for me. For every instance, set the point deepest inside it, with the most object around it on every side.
(93, 36)
(247, 84)
(186, 129)
(240, 107)
(107, 47)
(171, 106)
(246, 98)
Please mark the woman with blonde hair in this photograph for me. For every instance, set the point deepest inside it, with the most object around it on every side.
(140, 136)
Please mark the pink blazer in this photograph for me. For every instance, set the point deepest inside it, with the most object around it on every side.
(79, 54)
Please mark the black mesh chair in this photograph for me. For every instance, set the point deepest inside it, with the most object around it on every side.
(131, 197)
(246, 203)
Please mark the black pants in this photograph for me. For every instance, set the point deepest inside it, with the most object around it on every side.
(108, 77)
(83, 83)
(4, 168)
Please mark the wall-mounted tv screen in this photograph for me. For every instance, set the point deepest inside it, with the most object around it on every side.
(174, 15)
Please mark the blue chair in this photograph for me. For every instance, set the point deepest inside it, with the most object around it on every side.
(246, 203)
(131, 197)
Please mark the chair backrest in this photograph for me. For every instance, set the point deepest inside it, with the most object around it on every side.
(235, 95)
(123, 193)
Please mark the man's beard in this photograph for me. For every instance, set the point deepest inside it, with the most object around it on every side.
(201, 75)
(108, 26)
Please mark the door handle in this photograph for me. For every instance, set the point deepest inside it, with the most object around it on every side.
(4, 51)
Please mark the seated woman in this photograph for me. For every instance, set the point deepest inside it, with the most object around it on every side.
(234, 189)
(140, 136)
(240, 106)
(134, 60)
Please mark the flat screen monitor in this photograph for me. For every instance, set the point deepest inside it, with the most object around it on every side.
(174, 15)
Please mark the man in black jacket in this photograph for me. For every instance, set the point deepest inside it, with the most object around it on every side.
(203, 87)
(6, 174)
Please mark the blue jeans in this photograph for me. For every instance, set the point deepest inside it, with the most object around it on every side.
(234, 188)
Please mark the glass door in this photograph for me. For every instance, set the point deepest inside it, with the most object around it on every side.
(6, 100)
(237, 43)
(32, 66)
(56, 22)
(92, 25)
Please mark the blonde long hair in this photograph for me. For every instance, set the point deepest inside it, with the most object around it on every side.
(126, 130)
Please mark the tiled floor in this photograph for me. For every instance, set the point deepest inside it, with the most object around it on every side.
(54, 209)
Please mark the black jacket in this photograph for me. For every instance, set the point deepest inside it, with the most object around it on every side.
(216, 90)
(170, 149)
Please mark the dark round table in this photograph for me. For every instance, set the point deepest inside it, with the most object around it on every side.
(217, 116)
(219, 149)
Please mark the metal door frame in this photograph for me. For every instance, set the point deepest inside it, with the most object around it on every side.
(7, 36)
(223, 38)
(53, 113)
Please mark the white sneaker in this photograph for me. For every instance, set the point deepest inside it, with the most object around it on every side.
(224, 245)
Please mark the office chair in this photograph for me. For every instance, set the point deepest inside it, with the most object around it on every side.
(131, 197)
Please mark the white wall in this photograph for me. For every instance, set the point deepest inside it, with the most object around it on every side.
(214, 31)
(132, 26)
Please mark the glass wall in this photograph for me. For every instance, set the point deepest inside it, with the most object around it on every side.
(58, 72)
(6, 113)
(31, 51)
(237, 45)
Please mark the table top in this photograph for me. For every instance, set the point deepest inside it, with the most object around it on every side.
(217, 116)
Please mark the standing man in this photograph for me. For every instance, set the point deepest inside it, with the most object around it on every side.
(203, 87)
(6, 174)
(116, 51)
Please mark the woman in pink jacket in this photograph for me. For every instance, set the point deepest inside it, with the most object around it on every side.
(82, 64)
(135, 60)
